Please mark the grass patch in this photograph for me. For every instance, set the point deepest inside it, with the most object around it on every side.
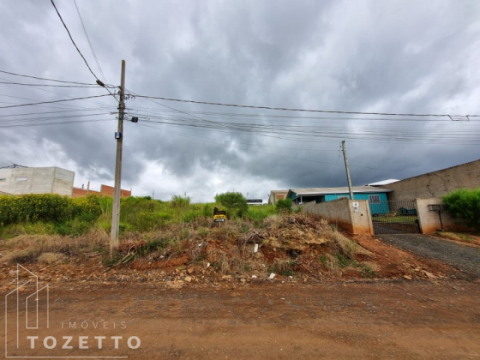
(368, 272)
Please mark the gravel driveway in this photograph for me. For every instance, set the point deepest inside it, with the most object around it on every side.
(462, 257)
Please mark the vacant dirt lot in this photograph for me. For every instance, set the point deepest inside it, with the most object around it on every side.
(375, 320)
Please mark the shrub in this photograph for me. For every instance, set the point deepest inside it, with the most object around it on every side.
(180, 201)
(47, 208)
(235, 202)
(464, 204)
(284, 205)
(74, 227)
(35, 207)
(259, 213)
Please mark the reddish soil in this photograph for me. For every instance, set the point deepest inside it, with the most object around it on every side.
(393, 262)
(376, 320)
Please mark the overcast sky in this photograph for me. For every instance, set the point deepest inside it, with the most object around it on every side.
(417, 57)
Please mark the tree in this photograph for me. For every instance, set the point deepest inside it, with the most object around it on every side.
(464, 204)
(234, 202)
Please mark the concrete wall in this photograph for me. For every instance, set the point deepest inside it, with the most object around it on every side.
(45, 180)
(355, 220)
(430, 221)
(437, 183)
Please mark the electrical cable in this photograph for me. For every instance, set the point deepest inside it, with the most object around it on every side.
(89, 42)
(301, 110)
(62, 117)
(78, 50)
(46, 79)
(54, 112)
(53, 101)
(50, 85)
(73, 42)
(290, 157)
(53, 123)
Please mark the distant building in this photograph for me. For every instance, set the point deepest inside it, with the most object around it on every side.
(374, 195)
(437, 183)
(18, 180)
(254, 201)
(276, 195)
(383, 182)
(105, 190)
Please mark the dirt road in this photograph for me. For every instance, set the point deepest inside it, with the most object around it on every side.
(400, 320)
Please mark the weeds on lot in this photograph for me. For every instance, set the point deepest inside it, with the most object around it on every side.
(283, 267)
(288, 243)
(368, 272)
(27, 248)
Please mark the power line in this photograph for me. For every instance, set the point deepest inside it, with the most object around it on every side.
(53, 123)
(41, 78)
(250, 144)
(73, 42)
(62, 117)
(55, 112)
(50, 85)
(302, 110)
(314, 135)
(53, 101)
(89, 42)
(290, 157)
(266, 116)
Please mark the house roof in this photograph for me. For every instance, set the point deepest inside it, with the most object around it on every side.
(339, 190)
(279, 191)
(383, 182)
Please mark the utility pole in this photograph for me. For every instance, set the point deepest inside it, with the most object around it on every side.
(347, 169)
(118, 167)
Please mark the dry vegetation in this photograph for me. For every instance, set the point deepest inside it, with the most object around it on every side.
(468, 238)
(288, 245)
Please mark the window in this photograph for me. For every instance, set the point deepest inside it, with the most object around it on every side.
(21, 179)
(374, 199)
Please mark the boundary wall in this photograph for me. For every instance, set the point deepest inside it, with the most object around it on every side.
(352, 215)
(437, 183)
(429, 221)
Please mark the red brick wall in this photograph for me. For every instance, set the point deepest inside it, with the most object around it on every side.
(108, 191)
(105, 190)
(78, 192)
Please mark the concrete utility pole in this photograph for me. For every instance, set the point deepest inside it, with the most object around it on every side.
(347, 169)
(118, 167)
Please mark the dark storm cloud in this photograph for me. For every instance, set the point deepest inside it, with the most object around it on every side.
(367, 56)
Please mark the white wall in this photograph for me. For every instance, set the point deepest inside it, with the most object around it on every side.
(45, 180)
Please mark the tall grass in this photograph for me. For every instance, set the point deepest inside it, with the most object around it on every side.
(52, 214)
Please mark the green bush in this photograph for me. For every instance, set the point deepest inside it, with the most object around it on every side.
(180, 201)
(74, 227)
(208, 210)
(259, 213)
(235, 203)
(190, 216)
(464, 204)
(284, 205)
(47, 208)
